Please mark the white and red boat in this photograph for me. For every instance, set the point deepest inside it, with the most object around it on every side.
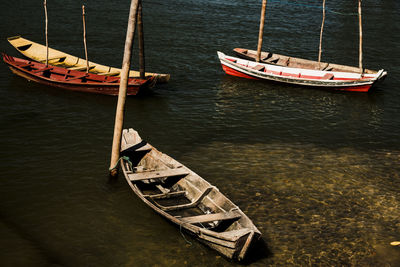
(278, 68)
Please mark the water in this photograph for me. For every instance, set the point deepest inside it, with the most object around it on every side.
(316, 171)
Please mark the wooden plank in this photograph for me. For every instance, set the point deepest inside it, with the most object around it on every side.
(216, 240)
(328, 76)
(24, 65)
(138, 176)
(258, 67)
(190, 205)
(42, 69)
(230, 215)
(77, 77)
(167, 195)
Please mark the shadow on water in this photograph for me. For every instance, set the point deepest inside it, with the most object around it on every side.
(257, 251)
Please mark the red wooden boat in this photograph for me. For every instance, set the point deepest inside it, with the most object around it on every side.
(298, 74)
(72, 79)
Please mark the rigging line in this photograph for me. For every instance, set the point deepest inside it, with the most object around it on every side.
(312, 6)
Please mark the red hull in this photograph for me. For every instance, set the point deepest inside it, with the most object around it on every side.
(73, 80)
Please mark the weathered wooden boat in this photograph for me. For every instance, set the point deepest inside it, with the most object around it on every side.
(38, 53)
(184, 198)
(73, 79)
(274, 67)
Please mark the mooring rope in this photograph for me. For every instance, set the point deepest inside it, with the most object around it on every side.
(118, 161)
(180, 230)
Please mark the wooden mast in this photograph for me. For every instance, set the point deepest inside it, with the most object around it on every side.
(260, 33)
(46, 22)
(126, 63)
(84, 38)
(360, 57)
(141, 41)
(320, 35)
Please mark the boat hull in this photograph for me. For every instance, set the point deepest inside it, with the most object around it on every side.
(331, 80)
(38, 53)
(89, 86)
(233, 242)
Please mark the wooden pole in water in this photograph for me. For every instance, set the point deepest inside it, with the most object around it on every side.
(320, 35)
(260, 33)
(46, 22)
(141, 41)
(360, 58)
(84, 38)
(123, 84)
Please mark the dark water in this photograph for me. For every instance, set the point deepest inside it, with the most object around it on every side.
(317, 171)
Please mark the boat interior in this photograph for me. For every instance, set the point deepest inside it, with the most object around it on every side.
(176, 190)
(59, 74)
(293, 62)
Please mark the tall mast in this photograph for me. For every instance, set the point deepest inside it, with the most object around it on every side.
(322, 30)
(84, 38)
(46, 22)
(260, 34)
(360, 57)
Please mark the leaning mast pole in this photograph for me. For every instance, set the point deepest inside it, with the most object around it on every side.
(123, 84)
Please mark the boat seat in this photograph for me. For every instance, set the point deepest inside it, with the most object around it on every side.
(273, 60)
(221, 216)
(42, 69)
(167, 195)
(258, 67)
(24, 65)
(77, 77)
(328, 76)
(139, 176)
(189, 205)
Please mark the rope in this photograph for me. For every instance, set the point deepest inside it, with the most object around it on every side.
(312, 6)
(118, 161)
(180, 230)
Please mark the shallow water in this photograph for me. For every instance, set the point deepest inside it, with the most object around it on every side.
(316, 171)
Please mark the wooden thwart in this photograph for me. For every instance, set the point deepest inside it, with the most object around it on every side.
(230, 215)
(77, 77)
(167, 195)
(258, 67)
(328, 76)
(157, 174)
(190, 205)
